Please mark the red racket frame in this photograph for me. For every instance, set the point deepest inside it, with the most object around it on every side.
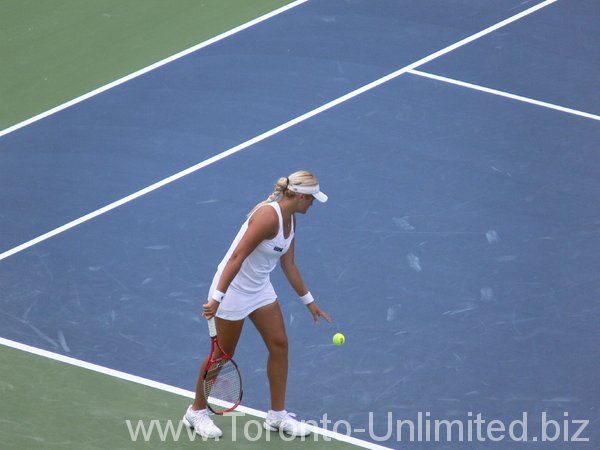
(211, 361)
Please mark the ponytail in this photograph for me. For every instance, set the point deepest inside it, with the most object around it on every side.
(301, 177)
(276, 195)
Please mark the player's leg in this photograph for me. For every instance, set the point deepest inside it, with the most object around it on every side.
(268, 320)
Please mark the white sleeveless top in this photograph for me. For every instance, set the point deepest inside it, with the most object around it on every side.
(251, 288)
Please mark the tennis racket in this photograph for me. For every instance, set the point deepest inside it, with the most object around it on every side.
(222, 381)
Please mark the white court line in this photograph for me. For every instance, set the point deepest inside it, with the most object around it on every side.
(271, 132)
(151, 67)
(171, 389)
(205, 163)
(505, 94)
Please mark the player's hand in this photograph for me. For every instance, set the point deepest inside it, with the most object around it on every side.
(317, 312)
(210, 309)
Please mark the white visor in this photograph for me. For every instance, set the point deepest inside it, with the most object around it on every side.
(315, 191)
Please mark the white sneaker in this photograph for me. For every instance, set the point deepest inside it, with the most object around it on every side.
(287, 424)
(201, 423)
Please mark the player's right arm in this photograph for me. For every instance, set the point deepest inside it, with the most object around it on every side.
(264, 224)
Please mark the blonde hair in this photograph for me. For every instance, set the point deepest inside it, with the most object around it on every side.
(300, 178)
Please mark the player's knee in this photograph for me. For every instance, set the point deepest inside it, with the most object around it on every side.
(279, 346)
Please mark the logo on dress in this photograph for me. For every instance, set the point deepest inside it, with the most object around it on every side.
(277, 249)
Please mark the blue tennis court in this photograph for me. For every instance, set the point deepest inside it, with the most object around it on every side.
(458, 251)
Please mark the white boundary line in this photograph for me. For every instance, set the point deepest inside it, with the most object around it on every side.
(272, 132)
(171, 389)
(151, 67)
(505, 94)
(231, 151)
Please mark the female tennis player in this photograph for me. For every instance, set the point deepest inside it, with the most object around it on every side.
(242, 288)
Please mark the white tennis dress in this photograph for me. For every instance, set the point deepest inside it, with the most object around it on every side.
(251, 288)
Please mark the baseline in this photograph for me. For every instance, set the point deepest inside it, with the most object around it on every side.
(172, 389)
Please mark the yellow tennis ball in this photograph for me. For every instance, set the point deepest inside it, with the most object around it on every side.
(339, 339)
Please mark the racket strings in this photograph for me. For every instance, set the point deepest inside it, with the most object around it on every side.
(223, 382)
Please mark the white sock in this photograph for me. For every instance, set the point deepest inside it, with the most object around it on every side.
(276, 415)
(203, 412)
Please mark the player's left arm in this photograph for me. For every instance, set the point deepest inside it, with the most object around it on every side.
(290, 269)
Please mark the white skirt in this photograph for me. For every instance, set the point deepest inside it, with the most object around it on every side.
(238, 305)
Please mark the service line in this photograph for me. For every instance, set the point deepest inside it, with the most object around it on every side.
(505, 94)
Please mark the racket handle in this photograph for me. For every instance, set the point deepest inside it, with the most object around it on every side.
(212, 328)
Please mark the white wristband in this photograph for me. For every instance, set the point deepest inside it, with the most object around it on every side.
(307, 298)
(218, 295)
